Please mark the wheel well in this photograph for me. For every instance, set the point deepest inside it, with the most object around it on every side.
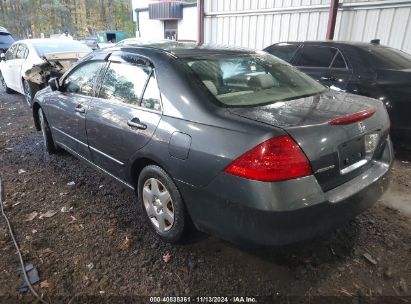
(38, 86)
(138, 166)
(36, 108)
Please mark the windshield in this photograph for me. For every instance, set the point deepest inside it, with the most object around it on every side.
(46, 47)
(252, 80)
(387, 58)
(6, 38)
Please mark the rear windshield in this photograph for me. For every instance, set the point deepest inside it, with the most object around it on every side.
(252, 80)
(46, 47)
(387, 58)
(160, 44)
(6, 38)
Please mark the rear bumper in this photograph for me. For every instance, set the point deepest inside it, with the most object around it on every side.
(244, 211)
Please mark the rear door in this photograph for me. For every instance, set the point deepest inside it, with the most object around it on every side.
(325, 64)
(124, 116)
(67, 109)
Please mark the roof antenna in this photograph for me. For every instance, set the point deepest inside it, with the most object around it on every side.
(375, 41)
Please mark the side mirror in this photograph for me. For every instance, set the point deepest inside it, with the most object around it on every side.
(2, 57)
(54, 84)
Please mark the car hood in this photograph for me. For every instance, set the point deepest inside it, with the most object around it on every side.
(312, 110)
(57, 56)
(53, 63)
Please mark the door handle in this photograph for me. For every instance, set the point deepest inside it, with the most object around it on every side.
(80, 109)
(135, 122)
(331, 78)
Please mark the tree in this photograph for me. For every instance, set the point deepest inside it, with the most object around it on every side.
(80, 17)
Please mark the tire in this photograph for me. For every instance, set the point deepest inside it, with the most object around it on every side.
(49, 143)
(30, 89)
(162, 204)
(3, 85)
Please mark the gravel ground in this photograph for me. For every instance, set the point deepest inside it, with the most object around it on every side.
(100, 246)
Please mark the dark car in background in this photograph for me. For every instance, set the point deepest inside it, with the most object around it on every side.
(6, 40)
(241, 143)
(367, 69)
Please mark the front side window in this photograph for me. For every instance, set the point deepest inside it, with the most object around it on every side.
(11, 52)
(81, 80)
(316, 56)
(124, 82)
(284, 51)
(251, 79)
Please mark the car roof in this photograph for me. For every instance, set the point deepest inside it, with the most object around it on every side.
(4, 30)
(336, 43)
(188, 50)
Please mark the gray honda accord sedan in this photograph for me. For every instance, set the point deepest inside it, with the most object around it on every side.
(237, 142)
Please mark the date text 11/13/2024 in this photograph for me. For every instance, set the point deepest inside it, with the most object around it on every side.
(203, 299)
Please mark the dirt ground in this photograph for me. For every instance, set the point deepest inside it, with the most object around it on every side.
(100, 246)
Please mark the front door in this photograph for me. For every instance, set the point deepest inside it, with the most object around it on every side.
(21, 54)
(67, 108)
(7, 66)
(121, 121)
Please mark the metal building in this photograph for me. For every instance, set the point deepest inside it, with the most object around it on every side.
(176, 20)
(259, 23)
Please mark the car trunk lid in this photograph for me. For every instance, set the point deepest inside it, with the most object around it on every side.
(323, 126)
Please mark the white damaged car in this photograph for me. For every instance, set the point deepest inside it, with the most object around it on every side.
(28, 64)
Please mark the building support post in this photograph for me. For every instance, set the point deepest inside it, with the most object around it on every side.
(332, 17)
(200, 8)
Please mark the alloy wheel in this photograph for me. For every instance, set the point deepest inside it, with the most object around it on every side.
(43, 126)
(158, 204)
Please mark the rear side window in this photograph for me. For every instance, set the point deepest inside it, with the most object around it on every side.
(339, 62)
(151, 97)
(316, 56)
(124, 82)
(22, 51)
(284, 51)
(81, 80)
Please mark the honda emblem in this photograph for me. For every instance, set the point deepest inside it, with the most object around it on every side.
(361, 127)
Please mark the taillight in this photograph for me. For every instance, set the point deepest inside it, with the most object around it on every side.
(277, 159)
(345, 120)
